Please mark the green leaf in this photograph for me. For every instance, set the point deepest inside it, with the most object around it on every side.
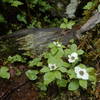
(60, 53)
(55, 60)
(57, 75)
(72, 41)
(4, 72)
(91, 70)
(71, 73)
(54, 50)
(92, 78)
(63, 26)
(39, 64)
(74, 85)
(16, 58)
(16, 3)
(22, 18)
(41, 86)
(82, 66)
(70, 24)
(92, 74)
(35, 62)
(62, 69)
(51, 45)
(49, 77)
(73, 47)
(88, 6)
(80, 52)
(45, 69)
(67, 52)
(31, 74)
(83, 83)
(67, 65)
(65, 20)
(62, 83)
(52, 60)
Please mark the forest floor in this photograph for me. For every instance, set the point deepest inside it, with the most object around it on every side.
(20, 88)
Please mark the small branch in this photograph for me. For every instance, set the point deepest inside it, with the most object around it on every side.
(91, 23)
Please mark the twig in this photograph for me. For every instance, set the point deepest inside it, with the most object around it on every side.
(91, 23)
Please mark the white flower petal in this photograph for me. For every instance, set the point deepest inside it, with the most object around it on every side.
(69, 56)
(85, 75)
(54, 43)
(73, 57)
(74, 54)
(71, 61)
(57, 44)
(77, 69)
(52, 66)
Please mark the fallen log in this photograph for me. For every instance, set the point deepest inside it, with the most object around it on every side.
(36, 40)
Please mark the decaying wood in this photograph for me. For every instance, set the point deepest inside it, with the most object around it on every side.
(95, 19)
(36, 40)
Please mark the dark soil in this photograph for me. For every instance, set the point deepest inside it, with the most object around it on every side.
(18, 89)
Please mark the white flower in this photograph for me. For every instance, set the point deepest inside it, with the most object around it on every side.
(57, 44)
(81, 73)
(73, 57)
(52, 66)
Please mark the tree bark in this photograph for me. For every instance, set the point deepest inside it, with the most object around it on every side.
(36, 40)
(33, 40)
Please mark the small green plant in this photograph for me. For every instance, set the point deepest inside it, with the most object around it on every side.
(67, 24)
(2, 19)
(4, 72)
(35, 62)
(62, 66)
(59, 65)
(22, 18)
(89, 5)
(16, 58)
(14, 3)
(44, 5)
(34, 23)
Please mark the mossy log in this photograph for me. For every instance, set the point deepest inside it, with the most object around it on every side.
(33, 40)
(36, 40)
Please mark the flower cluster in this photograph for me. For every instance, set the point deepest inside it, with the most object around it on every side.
(62, 66)
(81, 73)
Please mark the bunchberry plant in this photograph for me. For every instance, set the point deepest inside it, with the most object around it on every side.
(59, 65)
(16, 58)
(62, 66)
